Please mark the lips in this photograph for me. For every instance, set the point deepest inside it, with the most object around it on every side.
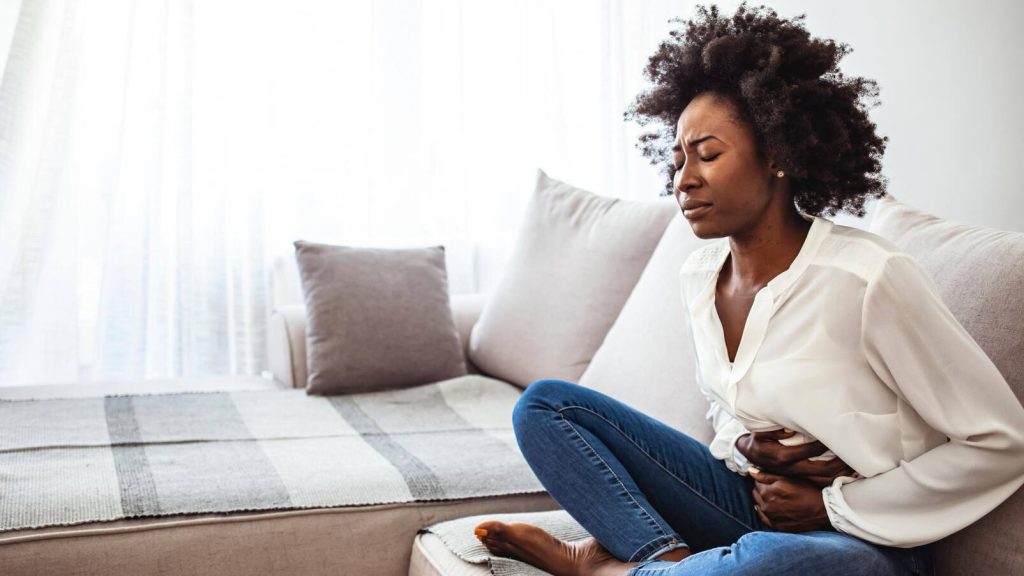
(693, 209)
(691, 203)
(694, 213)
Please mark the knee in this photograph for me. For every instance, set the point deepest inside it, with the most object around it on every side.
(804, 549)
(539, 397)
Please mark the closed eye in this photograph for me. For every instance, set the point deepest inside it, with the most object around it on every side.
(708, 159)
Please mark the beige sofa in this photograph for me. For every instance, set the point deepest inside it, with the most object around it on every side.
(640, 362)
(643, 359)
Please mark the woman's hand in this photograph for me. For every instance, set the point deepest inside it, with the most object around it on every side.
(764, 451)
(789, 504)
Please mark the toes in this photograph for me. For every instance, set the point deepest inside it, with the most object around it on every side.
(495, 547)
(490, 528)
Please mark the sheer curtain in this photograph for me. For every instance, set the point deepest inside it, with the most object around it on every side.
(157, 158)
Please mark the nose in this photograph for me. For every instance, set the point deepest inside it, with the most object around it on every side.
(685, 179)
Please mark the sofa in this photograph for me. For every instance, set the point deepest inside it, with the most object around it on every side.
(613, 322)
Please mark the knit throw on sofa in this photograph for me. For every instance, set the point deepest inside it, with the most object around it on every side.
(78, 460)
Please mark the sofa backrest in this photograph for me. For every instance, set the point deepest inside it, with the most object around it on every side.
(647, 359)
(979, 272)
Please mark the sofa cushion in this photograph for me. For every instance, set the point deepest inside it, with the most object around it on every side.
(979, 272)
(286, 338)
(359, 539)
(647, 358)
(430, 557)
(450, 548)
(377, 318)
(576, 259)
(367, 540)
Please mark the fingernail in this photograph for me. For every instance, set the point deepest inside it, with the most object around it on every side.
(786, 430)
(480, 531)
(754, 470)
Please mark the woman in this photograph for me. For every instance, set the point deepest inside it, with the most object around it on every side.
(855, 419)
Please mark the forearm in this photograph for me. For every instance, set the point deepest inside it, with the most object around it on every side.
(928, 498)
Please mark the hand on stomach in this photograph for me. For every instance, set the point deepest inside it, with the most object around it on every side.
(790, 453)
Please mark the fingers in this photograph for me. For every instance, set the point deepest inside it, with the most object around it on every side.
(759, 508)
(818, 467)
(805, 451)
(763, 518)
(774, 434)
(762, 477)
(766, 451)
(819, 481)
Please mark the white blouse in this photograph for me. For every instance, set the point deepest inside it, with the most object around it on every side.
(853, 346)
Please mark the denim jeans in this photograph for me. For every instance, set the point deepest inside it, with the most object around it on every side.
(642, 488)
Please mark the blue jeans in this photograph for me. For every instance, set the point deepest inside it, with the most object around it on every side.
(642, 488)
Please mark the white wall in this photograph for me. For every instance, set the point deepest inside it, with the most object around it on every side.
(951, 79)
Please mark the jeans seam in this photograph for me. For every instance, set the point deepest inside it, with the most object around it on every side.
(647, 545)
(655, 460)
(643, 569)
(617, 479)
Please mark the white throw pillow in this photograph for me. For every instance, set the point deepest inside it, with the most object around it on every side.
(576, 259)
(647, 359)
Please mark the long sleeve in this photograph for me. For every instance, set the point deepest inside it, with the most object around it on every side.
(727, 431)
(920, 351)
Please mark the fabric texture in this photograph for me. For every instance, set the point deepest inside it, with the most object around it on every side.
(853, 346)
(458, 537)
(647, 360)
(377, 318)
(576, 259)
(431, 557)
(155, 455)
(351, 540)
(979, 272)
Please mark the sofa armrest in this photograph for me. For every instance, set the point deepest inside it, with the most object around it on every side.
(466, 310)
(286, 338)
(286, 345)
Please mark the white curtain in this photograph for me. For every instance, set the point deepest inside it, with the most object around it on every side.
(158, 157)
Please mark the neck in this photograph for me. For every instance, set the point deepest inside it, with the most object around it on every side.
(766, 250)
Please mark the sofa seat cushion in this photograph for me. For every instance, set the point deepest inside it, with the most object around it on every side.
(78, 460)
(314, 542)
(430, 557)
(450, 548)
(307, 535)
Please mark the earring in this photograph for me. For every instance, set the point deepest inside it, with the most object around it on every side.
(780, 173)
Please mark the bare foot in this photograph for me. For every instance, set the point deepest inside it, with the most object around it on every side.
(533, 545)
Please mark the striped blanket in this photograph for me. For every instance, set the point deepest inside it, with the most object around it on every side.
(77, 460)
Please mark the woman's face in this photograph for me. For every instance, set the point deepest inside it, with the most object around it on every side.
(721, 182)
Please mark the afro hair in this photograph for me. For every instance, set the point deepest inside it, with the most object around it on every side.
(807, 117)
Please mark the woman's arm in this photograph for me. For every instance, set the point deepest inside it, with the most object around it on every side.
(916, 346)
(727, 430)
(768, 452)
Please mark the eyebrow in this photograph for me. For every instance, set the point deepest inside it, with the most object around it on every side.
(692, 143)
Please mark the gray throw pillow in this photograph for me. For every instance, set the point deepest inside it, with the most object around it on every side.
(377, 318)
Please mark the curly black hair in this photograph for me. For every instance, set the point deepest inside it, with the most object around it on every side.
(807, 117)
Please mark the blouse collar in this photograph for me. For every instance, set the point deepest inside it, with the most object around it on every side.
(820, 229)
(775, 291)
